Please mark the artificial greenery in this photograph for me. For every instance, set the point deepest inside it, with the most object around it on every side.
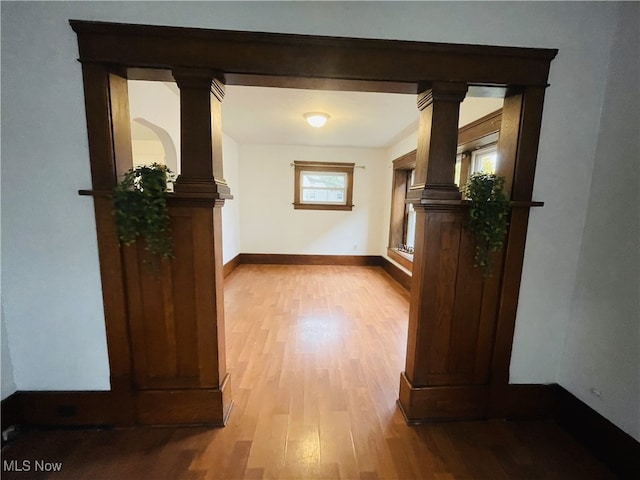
(488, 216)
(140, 208)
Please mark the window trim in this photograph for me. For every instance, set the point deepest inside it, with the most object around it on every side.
(401, 166)
(325, 167)
(481, 133)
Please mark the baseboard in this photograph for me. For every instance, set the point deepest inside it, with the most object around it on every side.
(426, 404)
(185, 407)
(230, 266)
(11, 414)
(399, 275)
(86, 409)
(288, 259)
(69, 409)
(615, 448)
(516, 402)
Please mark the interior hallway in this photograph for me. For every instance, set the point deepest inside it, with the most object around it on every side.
(315, 354)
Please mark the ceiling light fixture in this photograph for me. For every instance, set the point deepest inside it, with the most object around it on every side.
(316, 119)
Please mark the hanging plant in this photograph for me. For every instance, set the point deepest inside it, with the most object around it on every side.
(488, 216)
(140, 208)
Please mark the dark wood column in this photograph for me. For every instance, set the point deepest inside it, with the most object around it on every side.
(438, 138)
(201, 94)
(452, 309)
(176, 311)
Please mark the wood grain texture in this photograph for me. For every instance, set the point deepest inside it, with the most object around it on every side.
(294, 259)
(314, 352)
(241, 56)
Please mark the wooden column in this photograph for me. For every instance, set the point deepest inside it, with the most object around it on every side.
(201, 95)
(452, 310)
(176, 310)
(437, 142)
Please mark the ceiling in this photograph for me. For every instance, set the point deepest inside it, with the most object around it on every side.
(262, 115)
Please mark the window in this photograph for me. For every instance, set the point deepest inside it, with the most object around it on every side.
(323, 186)
(484, 159)
(403, 215)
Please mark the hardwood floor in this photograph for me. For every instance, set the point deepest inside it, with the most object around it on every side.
(315, 354)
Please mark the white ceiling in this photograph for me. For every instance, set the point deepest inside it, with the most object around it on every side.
(262, 115)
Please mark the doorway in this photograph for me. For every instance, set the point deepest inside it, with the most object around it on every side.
(113, 53)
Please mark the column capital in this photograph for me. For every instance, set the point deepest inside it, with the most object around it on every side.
(442, 92)
(200, 79)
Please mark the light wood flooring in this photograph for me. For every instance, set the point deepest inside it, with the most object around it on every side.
(315, 354)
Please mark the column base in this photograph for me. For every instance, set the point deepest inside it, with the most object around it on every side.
(185, 407)
(456, 402)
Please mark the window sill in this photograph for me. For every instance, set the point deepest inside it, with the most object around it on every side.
(319, 206)
(404, 259)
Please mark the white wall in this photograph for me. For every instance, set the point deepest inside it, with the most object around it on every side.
(156, 103)
(51, 295)
(267, 195)
(231, 209)
(8, 383)
(602, 345)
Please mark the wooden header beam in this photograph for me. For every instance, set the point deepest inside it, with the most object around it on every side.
(364, 64)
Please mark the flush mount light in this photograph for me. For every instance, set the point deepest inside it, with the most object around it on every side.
(316, 119)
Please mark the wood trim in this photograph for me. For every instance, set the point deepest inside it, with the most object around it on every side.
(230, 266)
(322, 206)
(397, 257)
(11, 413)
(185, 406)
(406, 161)
(327, 167)
(420, 404)
(400, 276)
(250, 54)
(243, 57)
(618, 450)
(288, 259)
(480, 128)
(69, 409)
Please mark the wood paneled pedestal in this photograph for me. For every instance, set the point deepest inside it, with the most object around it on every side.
(452, 320)
(176, 322)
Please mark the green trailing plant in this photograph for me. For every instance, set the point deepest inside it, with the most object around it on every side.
(488, 216)
(140, 208)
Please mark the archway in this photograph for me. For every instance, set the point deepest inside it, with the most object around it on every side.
(201, 61)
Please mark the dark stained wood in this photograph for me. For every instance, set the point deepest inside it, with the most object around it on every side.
(508, 142)
(300, 166)
(260, 54)
(514, 254)
(619, 451)
(99, 127)
(398, 257)
(230, 266)
(437, 141)
(444, 402)
(397, 274)
(83, 408)
(11, 413)
(201, 60)
(480, 128)
(105, 91)
(182, 407)
(200, 132)
(401, 167)
(528, 139)
(289, 259)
